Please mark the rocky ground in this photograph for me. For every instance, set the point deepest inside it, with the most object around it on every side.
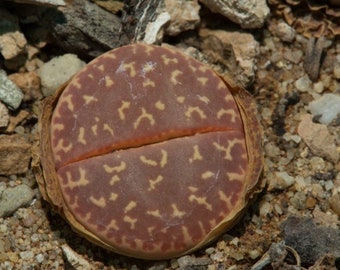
(286, 53)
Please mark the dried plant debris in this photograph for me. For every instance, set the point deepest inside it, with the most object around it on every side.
(309, 17)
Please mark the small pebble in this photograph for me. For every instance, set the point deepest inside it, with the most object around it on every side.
(304, 84)
(266, 208)
(336, 71)
(26, 255)
(285, 32)
(334, 202)
(14, 198)
(57, 71)
(327, 106)
(299, 200)
(10, 94)
(39, 258)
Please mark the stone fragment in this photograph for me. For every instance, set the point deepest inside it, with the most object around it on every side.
(16, 119)
(184, 15)
(13, 198)
(334, 202)
(280, 181)
(29, 83)
(79, 28)
(326, 108)
(4, 116)
(76, 260)
(10, 94)
(154, 31)
(15, 154)
(336, 71)
(303, 84)
(57, 71)
(244, 48)
(318, 138)
(310, 241)
(12, 41)
(285, 32)
(247, 13)
(53, 3)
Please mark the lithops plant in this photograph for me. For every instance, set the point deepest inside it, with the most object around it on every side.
(149, 153)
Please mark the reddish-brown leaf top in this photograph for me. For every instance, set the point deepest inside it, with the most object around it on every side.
(150, 151)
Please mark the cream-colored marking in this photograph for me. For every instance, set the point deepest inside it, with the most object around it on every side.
(186, 235)
(204, 99)
(125, 105)
(196, 109)
(58, 127)
(148, 161)
(203, 68)
(201, 201)
(96, 118)
(176, 212)
(89, 99)
(81, 182)
(148, 49)
(151, 230)
(228, 98)
(192, 68)
(60, 146)
(87, 216)
(144, 115)
(154, 213)
(223, 197)
(121, 167)
(212, 223)
(180, 99)
(167, 60)
(227, 150)
(131, 67)
(101, 202)
(164, 159)
(207, 174)
(200, 223)
(110, 56)
(113, 196)
(101, 67)
(153, 183)
(235, 176)
(202, 80)
(148, 82)
(75, 82)
(231, 112)
(108, 81)
(108, 128)
(196, 155)
(81, 135)
(192, 189)
(130, 206)
(114, 179)
(94, 129)
(113, 225)
(68, 100)
(90, 76)
(131, 221)
(174, 75)
(160, 105)
(221, 85)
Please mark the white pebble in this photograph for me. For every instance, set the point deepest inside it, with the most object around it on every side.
(328, 106)
(303, 84)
